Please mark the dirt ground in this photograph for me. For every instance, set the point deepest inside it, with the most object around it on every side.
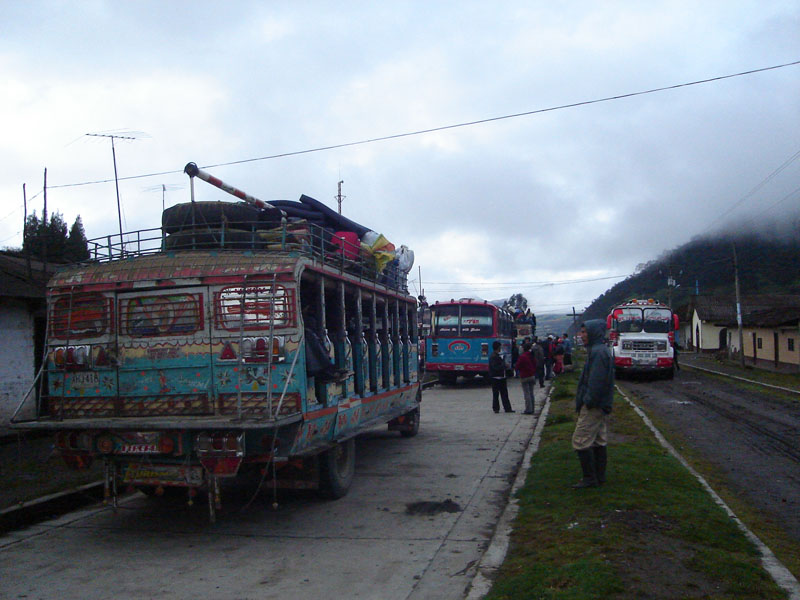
(750, 434)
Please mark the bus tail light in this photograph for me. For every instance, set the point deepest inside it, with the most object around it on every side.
(105, 444)
(434, 349)
(485, 349)
(220, 453)
(664, 362)
(166, 445)
(72, 357)
(258, 349)
(623, 361)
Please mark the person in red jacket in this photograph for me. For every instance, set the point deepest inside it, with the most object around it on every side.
(526, 365)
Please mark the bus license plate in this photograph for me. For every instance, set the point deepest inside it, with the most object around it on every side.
(85, 380)
(459, 367)
(155, 474)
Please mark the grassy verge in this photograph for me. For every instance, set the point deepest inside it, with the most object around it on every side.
(764, 526)
(650, 532)
(782, 379)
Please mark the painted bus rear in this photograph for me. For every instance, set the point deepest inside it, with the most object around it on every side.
(178, 368)
(461, 338)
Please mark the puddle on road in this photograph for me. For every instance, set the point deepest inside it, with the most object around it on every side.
(432, 508)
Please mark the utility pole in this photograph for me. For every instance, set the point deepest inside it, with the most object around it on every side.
(24, 228)
(339, 196)
(738, 305)
(116, 178)
(46, 229)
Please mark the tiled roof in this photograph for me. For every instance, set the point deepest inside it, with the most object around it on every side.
(17, 281)
(767, 310)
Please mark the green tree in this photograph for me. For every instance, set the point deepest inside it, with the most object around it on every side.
(77, 246)
(50, 241)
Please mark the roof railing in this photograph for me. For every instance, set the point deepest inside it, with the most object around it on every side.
(292, 237)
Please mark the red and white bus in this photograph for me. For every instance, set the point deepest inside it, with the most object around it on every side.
(642, 334)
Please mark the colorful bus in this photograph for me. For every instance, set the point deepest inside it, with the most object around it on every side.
(181, 363)
(462, 334)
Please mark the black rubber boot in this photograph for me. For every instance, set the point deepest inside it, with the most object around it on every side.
(587, 466)
(600, 460)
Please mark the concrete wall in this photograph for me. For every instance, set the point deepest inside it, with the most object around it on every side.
(16, 356)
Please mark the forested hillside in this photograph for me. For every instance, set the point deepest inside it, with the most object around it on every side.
(769, 262)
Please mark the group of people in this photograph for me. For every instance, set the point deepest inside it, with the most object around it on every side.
(541, 360)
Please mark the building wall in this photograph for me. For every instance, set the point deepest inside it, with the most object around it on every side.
(16, 356)
(766, 354)
(709, 334)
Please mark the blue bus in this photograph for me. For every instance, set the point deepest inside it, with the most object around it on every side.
(461, 338)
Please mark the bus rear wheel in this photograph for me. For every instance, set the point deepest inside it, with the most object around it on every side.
(409, 427)
(337, 467)
(447, 378)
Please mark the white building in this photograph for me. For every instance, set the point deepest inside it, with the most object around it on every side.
(22, 322)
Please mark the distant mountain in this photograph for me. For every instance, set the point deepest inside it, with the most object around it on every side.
(769, 262)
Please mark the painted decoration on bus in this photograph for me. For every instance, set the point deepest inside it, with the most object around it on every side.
(84, 315)
(172, 314)
(254, 307)
(458, 346)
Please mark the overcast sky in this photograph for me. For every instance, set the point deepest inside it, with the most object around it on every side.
(522, 204)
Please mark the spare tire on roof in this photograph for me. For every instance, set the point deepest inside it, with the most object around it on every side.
(234, 215)
(207, 238)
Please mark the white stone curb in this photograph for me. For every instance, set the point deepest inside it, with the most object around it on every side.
(495, 553)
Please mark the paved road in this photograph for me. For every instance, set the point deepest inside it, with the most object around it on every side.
(414, 525)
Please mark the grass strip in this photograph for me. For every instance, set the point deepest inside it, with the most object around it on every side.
(650, 532)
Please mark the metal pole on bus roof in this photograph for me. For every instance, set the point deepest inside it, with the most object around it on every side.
(192, 170)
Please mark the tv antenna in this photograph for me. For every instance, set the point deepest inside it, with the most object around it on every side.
(163, 188)
(132, 135)
(339, 196)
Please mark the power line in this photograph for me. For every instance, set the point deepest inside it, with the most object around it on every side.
(447, 127)
(760, 185)
(524, 283)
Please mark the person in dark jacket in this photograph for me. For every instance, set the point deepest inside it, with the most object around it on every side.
(548, 348)
(538, 355)
(593, 401)
(497, 373)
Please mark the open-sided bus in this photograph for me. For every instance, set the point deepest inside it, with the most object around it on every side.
(178, 367)
(462, 334)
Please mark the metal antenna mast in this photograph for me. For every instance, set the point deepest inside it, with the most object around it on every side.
(339, 197)
(116, 179)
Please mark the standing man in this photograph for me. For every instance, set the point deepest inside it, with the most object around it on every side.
(593, 403)
(567, 352)
(549, 349)
(497, 373)
(538, 355)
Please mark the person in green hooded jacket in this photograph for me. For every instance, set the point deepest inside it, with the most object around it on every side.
(593, 401)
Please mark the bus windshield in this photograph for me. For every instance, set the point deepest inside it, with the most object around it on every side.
(651, 320)
(445, 321)
(476, 321)
(629, 320)
(657, 320)
(467, 321)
